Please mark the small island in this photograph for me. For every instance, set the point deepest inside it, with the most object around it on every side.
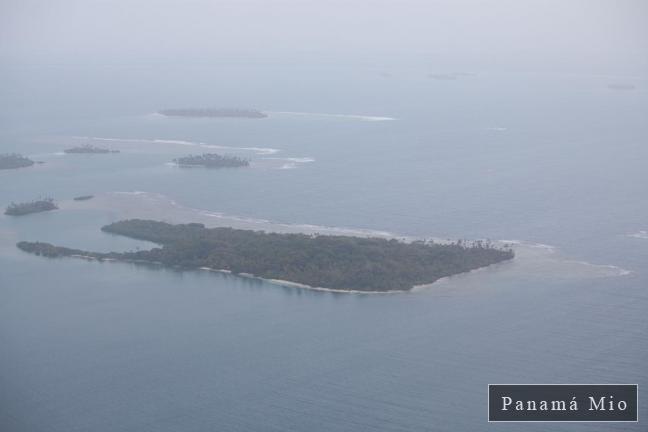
(621, 86)
(212, 160)
(14, 160)
(83, 197)
(213, 113)
(335, 262)
(89, 149)
(38, 206)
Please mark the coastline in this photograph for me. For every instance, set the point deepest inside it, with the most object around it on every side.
(422, 287)
(532, 258)
(291, 284)
(281, 282)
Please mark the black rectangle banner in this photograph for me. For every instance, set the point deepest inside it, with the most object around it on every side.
(563, 402)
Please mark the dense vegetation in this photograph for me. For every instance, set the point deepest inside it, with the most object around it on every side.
(351, 263)
(14, 160)
(89, 149)
(83, 197)
(212, 160)
(20, 209)
(213, 112)
(48, 250)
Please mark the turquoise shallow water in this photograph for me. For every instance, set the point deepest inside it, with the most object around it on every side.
(556, 162)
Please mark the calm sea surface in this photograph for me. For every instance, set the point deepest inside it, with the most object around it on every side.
(556, 163)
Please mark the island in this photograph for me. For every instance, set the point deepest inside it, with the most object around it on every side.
(14, 160)
(38, 206)
(342, 263)
(83, 197)
(89, 149)
(211, 160)
(621, 86)
(213, 113)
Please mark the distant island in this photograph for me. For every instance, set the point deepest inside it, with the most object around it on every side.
(83, 197)
(213, 112)
(335, 262)
(14, 160)
(211, 160)
(38, 206)
(621, 86)
(89, 149)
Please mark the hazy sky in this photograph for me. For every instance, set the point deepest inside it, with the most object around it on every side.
(599, 36)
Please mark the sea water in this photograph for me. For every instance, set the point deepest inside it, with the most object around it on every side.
(553, 164)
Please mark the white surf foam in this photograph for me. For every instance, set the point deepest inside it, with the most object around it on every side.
(154, 115)
(40, 155)
(615, 270)
(293, 159)
(531, 259)
(290, 162)
(542, 258)
(151, 205)
(257, 150)
(640, 235)
(345, 116)
(133, 193)
(529, 244)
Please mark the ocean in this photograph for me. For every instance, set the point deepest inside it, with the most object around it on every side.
(552, 163)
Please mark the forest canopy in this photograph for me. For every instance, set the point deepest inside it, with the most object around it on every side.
(21, 209)
(212, 160)
(14, 160)
(339, 262)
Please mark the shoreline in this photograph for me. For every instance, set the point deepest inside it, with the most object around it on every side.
(281, 282)
(291, 284)
(422, 287)
(533, 258)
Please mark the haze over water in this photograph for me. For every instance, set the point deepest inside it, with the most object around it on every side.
(544, 155)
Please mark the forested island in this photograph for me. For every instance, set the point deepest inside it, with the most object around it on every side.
(20, 209)
(89, 149)
(14, 160)
(337, 262)
(211, 160)
(213, 112)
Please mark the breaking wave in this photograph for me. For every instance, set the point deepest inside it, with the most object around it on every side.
(39, 155)
(640, 235)
(548, 248)
(293, 159)
(151, 205)
(257, 150)
(531, 259)
(545, 259)
(290, 162)
(615, 270)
